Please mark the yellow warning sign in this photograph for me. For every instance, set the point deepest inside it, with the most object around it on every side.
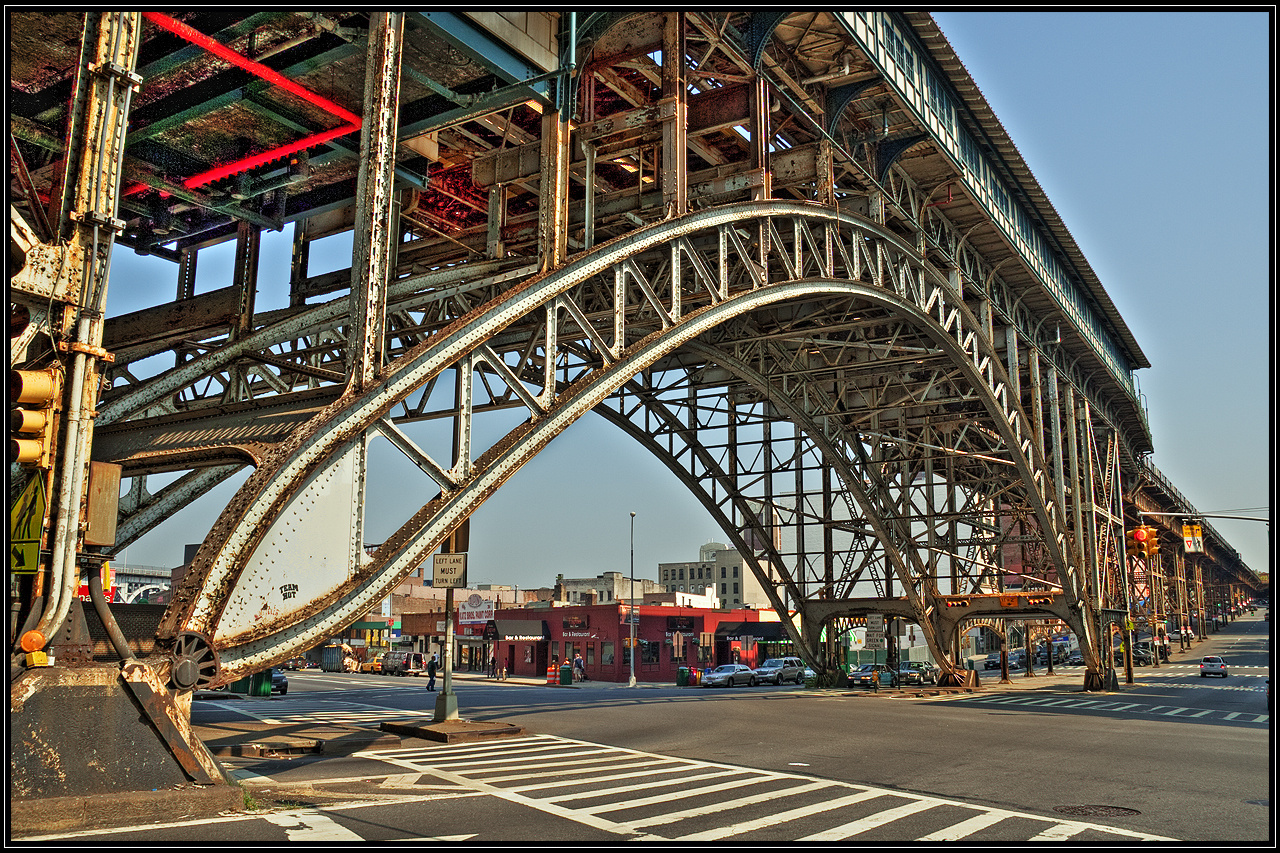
(26, 518)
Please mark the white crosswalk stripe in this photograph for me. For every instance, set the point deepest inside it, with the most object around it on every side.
(1098, 705)
(682, 799)
(287, 711)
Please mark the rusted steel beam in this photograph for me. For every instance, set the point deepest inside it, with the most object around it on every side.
(377, 229)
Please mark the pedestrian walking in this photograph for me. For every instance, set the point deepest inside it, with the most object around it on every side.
(493, 666)
(579, 668)
(875, 681)
(431, 675)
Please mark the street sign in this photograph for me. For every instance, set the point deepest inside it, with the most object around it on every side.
(875, 631)
(1192, 539)
(449, 570)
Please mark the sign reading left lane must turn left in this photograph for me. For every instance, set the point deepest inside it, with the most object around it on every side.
(449, 570)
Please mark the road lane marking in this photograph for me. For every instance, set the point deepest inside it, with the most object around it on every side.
(716, 808)
(776, 818)
(665, 797)
(605, 799)
(966, 827)
(311, 827)
(1060, 832)
(857, 827)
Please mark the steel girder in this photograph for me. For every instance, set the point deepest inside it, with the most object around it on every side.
(576, 335)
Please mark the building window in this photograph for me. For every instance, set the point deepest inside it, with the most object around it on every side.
(649, 651)
(682, 574)
(606, 654)
(735, 571)
(591, 654)
(722, 572)
(724, 589)
(735, 590)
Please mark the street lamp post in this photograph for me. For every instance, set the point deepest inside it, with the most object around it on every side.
(631, 611)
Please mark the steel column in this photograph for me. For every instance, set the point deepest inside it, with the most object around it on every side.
(375, 227)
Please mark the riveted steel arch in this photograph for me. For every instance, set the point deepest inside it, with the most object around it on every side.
(728, 273)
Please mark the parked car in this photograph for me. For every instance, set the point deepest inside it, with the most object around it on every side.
(918, 672)
(279, 682)
(1076, 658)
(374, 665)
(861, 677)
(992, 661)
(780, 671)
(1213, 665)
(730, 675)
(1060, 654)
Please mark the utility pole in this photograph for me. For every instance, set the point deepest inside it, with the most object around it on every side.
(631, 610)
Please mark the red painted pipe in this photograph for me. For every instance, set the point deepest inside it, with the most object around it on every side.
(262, 72)
(255, 68)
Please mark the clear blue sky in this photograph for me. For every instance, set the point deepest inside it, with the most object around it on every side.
(1150, 135)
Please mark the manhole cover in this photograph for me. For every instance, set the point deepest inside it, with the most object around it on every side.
(1095, 811)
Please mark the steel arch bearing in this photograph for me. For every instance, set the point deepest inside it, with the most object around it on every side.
(240, 582)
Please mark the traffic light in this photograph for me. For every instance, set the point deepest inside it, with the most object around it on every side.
(957, 602)
(1136, 541)
(33, 397)
(1151, 544)
(1040, 599)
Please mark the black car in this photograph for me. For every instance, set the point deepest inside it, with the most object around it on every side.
(279, 682)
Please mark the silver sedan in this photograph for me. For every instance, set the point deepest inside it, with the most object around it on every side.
(730, 675)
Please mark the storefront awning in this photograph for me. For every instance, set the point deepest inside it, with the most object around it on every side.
(754, 630)
(528, 630)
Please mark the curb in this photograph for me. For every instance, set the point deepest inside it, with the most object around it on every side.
(122, 808)
(454, 731)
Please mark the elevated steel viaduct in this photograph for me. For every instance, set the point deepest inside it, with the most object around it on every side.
(792, 254)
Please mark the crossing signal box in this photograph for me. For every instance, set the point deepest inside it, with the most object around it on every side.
(33, 399)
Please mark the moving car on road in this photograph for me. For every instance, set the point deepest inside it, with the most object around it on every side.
(279, 682)
(1213, 665)
(730, 675)
(781, 671)
(918, 672)
(861, 677)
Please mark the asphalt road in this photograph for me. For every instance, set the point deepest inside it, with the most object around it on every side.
(1174, 756)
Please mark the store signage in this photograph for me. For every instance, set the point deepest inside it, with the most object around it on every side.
(475, 610)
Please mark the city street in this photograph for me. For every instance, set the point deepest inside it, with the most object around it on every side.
(1174, 756)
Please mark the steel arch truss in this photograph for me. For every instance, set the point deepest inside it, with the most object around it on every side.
(905, 381)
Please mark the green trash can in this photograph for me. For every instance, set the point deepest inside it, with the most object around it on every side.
(566, 673)
(682, 677)
(258, 684)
